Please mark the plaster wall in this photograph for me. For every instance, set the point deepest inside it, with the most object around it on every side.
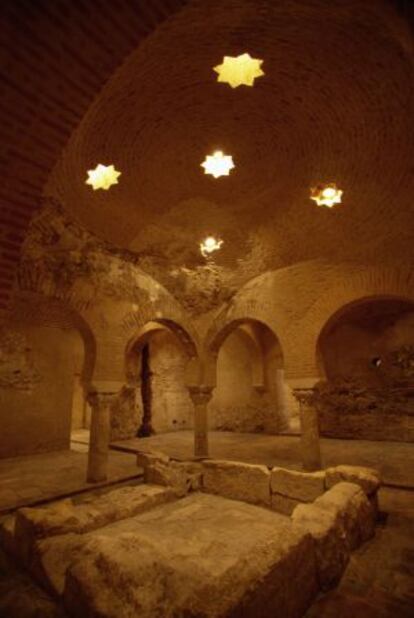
(236, 404)
(172, 408)
(36, 405)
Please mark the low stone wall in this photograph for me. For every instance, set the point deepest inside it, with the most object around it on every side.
(76, 551)
(63, 517)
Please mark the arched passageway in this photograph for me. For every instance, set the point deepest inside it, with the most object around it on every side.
(47, 362)
(156, 365)
(250, 394)
(367, 353)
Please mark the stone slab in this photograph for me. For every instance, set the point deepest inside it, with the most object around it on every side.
(331, 548)
(155, 564)
(356, 513)
(367, 478)
(236, 480)
(303, 486)
(283, 504)
(64, 517)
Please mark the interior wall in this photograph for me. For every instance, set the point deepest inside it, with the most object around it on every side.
(171, 406)
(238, 404)
(349, 349)
(37, 369)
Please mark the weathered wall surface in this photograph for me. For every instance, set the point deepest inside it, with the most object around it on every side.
(37, 370)
(236, 404)
(349, 350)
(172, 408)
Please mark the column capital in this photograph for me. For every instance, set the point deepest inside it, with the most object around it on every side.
(200, 394)
(100, 399)
(304, 395)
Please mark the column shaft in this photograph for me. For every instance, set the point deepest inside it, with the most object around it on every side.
(99, 438)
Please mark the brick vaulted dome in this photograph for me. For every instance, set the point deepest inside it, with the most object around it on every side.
(336, 104)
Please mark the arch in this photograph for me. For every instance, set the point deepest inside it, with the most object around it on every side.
(216, 337)
(39, 310)
(151, 362)
(141, 336)
(182, 335)
(371, 316)
(367, 283)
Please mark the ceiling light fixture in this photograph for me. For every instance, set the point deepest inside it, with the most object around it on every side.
(239, 70)
(326, 195)
(209, 245)
(102, 177)
(218, 164)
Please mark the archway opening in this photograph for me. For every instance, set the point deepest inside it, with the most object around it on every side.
(250, 394)
(367, 351)
(48, 356)
(156, 366)
(363, 340)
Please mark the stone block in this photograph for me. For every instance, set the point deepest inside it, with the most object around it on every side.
(145, 459)
(349, 502)
(236, 480)
(51, 557)
(331, 549)
(367, 478)
(7, 542)
(169, 475)
(132, 573)
(303, 486)
(64, 517)
(283, 504)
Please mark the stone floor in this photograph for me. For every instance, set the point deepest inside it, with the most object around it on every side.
(395, 460)
(31, 479)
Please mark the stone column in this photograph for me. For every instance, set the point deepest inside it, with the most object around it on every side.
(200, 396)
(311, 452)
(100, 430)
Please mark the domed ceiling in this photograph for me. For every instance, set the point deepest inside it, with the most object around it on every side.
(335, 104)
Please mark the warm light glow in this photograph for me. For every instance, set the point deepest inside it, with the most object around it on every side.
(103, 177)
(326, 195)
(209, 245)
(239, 70)
(218, 164)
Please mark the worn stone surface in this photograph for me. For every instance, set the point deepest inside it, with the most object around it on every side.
(304, 486)
(20, 597)
(64, 517)
(126, 415)
(378, 581)
(147, 458)
(50, 558)
(154, 564)
(7, 542)
(168, 475)
(332, 551)
(237, 480)
(367, 478)
(352, 408)
(283, 504)
(182, 477)
(350, 503)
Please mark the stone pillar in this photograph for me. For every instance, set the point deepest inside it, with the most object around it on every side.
(200, 396)
(100, 430)
(311, 452)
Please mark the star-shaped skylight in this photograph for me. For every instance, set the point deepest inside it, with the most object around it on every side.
(102, 177)
(239, 70)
